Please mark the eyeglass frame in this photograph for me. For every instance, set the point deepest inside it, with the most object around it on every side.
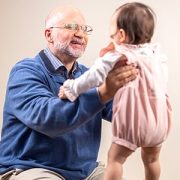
(75, 27)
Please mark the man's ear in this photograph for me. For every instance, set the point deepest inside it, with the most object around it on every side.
(48, 35)
(121, 35)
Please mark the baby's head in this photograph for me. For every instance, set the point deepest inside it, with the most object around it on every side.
(132, 23)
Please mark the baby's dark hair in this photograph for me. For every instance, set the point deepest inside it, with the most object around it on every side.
(137, 20)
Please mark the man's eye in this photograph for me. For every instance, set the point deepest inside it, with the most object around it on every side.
(71, 26)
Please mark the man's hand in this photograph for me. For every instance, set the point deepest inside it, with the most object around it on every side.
(117, 77)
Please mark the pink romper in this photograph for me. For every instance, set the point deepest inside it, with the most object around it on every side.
(141, 109)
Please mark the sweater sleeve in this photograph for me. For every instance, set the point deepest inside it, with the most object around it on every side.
(30, 100)
(94, 77)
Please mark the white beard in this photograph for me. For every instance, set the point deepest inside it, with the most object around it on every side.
(63, 47)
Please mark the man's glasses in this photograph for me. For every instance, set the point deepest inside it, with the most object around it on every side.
(75, 27)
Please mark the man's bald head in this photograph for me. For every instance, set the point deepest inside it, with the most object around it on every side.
(60, 14)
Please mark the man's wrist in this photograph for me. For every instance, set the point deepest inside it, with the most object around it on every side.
(103, 94)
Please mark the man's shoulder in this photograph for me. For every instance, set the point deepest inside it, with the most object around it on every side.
(27, 64)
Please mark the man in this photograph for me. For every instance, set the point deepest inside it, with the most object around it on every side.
(44, 137)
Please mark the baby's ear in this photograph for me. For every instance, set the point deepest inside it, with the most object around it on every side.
(109, 47)
(121, 36)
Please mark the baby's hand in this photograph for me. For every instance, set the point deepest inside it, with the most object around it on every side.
(61, 93)
(109, 47)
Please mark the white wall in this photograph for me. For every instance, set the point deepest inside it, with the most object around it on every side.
(21, 35)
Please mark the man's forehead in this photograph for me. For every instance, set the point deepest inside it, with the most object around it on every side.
(66, 11)
(65, 14)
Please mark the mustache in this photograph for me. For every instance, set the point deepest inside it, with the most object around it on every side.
(78, 41)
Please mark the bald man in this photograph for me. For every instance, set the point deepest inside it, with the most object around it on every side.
(44, 137)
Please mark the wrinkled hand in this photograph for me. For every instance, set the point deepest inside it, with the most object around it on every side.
(61, 93)
(120, 75)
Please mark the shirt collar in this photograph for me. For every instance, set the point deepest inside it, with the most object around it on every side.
(55, 61)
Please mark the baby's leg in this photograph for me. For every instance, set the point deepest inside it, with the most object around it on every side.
(116, 157)
(150, 157)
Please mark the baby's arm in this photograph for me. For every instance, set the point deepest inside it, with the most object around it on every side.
(94, 77)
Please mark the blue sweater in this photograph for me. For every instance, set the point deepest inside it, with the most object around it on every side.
(41, 130)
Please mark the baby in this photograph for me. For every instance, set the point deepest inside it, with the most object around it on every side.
(141, 109)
